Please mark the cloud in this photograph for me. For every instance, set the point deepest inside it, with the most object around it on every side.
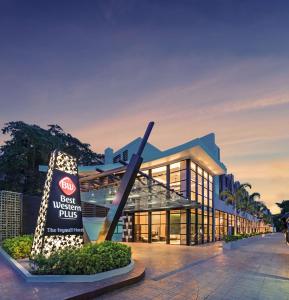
(255, 104)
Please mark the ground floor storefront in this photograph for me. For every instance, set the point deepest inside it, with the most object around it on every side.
(186, 226)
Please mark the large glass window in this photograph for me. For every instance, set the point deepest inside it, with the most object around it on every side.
(200, 227)
(178, 177)
(205, 226)
(202, 192)
(210, 227)
(231, 224)
(160, 174)
(178, 227)
(221, 224)
(217, 225)
(193, 226)
(141, 227)
(159, 226)
(193, 181)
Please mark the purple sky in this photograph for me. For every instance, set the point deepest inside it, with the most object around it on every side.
(103, 69)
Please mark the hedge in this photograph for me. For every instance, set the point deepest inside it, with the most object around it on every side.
(89, 259)
(18, 247)
(231, 238)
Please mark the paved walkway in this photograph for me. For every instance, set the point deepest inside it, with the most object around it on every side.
(259, 270)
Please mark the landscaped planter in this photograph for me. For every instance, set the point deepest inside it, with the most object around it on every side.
(239, 243)
(24, 273)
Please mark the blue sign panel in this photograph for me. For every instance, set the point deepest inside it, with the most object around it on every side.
(64, 206)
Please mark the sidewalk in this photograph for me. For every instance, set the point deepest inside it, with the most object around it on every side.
(259, 270)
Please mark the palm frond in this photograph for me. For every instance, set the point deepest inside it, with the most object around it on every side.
(245, 185)
(229, 196)
(255, 195)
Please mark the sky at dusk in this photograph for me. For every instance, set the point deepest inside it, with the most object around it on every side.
(103, 69)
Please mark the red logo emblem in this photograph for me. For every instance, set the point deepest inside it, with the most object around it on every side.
(67, 186)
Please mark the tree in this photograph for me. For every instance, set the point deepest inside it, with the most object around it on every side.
(278, 224)
(236, 198)
(284, 205)
(262, 212)
(30, 146)
(277, 218)
(247, 204)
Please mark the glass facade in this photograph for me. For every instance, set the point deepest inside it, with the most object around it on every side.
(225, 225)
(197, 224)
(181, 226)
(173, 204)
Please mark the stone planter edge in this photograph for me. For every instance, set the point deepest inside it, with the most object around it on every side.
(28, 277)
(236, 244)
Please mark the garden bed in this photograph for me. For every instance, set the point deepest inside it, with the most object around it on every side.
(92, 262)
(234, 242)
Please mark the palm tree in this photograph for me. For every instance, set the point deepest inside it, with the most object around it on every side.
(235, 199)
(262, 212)
(247, 204)
(284, 205)
(260, 209)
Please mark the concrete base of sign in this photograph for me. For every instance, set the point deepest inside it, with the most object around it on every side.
(28, 277)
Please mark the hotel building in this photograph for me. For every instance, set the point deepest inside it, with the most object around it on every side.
(175, 199)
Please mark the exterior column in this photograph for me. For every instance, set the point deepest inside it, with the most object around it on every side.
(128, 228)
(196, 210)
(213, 210)
(149, 226)
(188, 196)
(209, 237)
(203, 209)
(168, 184)
(167, 226)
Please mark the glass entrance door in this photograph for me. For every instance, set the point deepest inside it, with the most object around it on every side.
(141, 227)
(158, 233)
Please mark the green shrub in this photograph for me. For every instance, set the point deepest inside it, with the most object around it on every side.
(231, 238)
(89, 259)
(18, 247)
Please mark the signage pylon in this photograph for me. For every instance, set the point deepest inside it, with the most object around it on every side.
(59, 223)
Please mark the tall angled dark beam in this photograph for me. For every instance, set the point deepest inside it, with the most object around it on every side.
(126, 184)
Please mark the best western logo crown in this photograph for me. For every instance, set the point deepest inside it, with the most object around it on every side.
(67, 186)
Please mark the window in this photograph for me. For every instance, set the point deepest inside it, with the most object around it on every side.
(125, 155)
(178, 227)
(193, 226)
(210, 178)
(116, 158)
(160, 174)
(193, 166)
(178, 176)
